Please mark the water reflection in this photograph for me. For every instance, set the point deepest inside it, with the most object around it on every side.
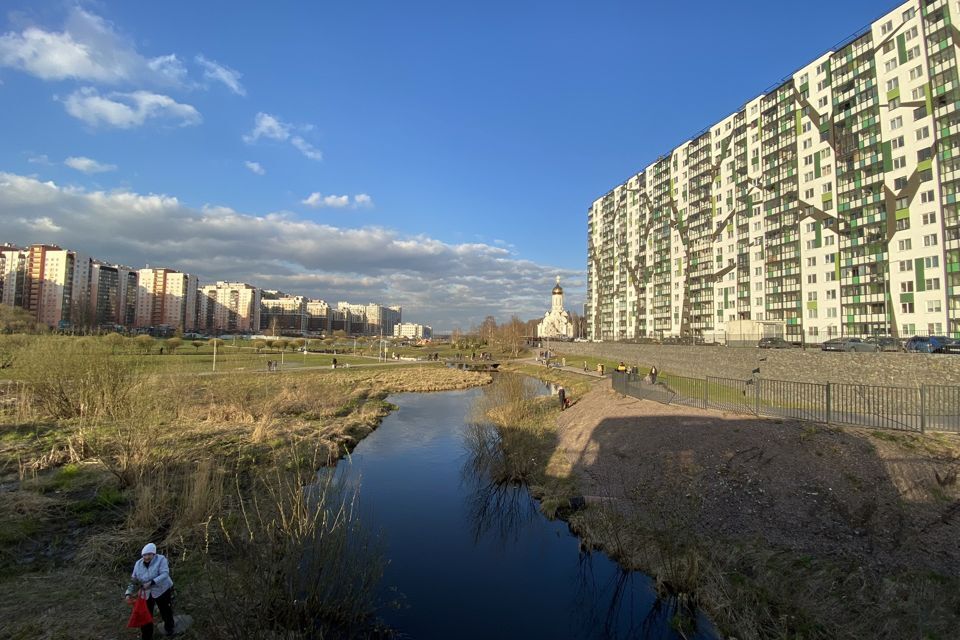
(474, 558)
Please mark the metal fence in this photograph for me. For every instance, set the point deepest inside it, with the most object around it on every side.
(925, 408)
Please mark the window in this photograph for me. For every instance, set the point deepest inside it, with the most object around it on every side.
(918, 93)
(904, 245)
(832, 312)
(828, 258)
(807, 160)
(827, 186)
(903, 224)
(812, 278)
(926, 196)
(897, 142)
(811, 262)
(933, 306)
(830, 276)
(931, 262)
(808, 194)
(807, 143)
(806, 127)
(919, 113)
(886, 27)
(916, 72)
(907, 15)
(894, 103)
(807, 177)
(758, 302)
(811, 227)
(913, 52)
(923, 133)
(811, 295)
(900, 183)
(899, 162)
(896, 123)
(889, 45)
(933, 284)
(906, 307)
(924, 154)
(930, 240)
(831, 294)
(758, 271)
(891, 64)
(929, 218)
(893, 84)
(811, 313)
(906, 287)
(823, 102)
(827, 170)
(828, 240)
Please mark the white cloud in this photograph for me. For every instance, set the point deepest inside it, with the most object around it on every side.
(273, 128)
(438, 283)
(88, 165)
(306, 148)
(318, 200)
(267, 126)
(362, 200)
(39, 159)
(255, 167)
(127, 110)
(213, 70)
(88, 49)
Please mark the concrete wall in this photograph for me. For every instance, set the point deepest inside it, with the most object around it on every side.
(811, 365)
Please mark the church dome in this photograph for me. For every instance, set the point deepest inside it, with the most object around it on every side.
(557, 290)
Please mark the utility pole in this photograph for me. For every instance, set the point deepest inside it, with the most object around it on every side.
(214, 353)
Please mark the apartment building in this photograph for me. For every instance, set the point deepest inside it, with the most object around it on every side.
(49, 282)
(230, 307)
(166, 298)
(113, 294)
(826, 206)
(412, 330)
(283, 315)
(372, 318)
(318, 317)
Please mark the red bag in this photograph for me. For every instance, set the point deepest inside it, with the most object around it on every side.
(141, 616)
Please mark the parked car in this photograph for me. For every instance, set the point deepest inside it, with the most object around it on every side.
(927, 344)
(952, 347)
(886, 344)
(774, 343)
(849, 344)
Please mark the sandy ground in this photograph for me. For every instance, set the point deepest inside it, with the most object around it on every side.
(885, 500)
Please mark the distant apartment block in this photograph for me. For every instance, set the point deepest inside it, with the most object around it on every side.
(49, 282)
(413, 331)
(826, 206)
(283, 315)
(166, 298)
(230, 307)
(113, 295)
(372, 318)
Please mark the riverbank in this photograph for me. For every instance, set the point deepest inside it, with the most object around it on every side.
(208, 467)
(777, 529)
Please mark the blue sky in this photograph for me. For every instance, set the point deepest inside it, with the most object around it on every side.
(438, 155)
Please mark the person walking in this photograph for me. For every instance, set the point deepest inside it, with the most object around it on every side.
(151, 579)
(562, 395)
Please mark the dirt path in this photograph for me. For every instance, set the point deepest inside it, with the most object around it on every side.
(885, 498)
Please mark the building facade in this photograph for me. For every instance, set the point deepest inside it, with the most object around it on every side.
(412, 331)
(229, 307)
(113, 295)
(284, 315)
(827, 206)
(166, 298)
(49, 282)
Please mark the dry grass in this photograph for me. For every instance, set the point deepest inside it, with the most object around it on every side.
(212, 468)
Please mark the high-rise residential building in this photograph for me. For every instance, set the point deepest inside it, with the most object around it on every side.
(318, 317)
(113, 294)
(372, 318)
(283, 315)
(49, 282)
(230, 306)
(825, 207)
(166, 298)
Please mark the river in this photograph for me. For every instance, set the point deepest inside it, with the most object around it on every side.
(467, 560)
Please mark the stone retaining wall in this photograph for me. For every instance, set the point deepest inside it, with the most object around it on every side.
(810, 365)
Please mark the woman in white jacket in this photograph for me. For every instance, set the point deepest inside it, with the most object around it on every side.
(152, 574)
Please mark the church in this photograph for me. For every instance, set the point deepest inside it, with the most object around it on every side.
(556, 323)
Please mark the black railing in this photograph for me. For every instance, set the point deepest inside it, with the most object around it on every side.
(919, 409)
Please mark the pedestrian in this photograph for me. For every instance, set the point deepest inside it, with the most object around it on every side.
(334, 363)
(584, 365)
(151, 580)
(622, 368)
(562, 396)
